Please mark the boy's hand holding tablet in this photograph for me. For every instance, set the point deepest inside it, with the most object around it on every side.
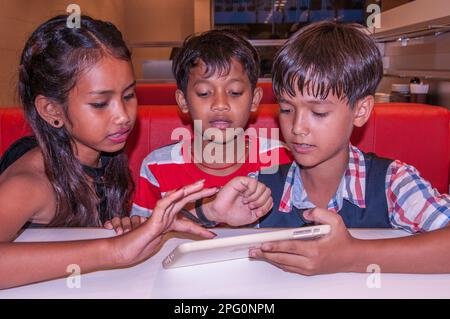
(237, 247)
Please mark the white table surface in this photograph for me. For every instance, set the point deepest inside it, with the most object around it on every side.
(231, 279)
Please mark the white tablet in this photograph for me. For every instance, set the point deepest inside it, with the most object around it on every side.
(220, 249)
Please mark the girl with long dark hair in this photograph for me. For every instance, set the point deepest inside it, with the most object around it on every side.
(77, 89)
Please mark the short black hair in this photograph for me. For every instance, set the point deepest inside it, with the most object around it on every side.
(328, 56)
(215, 48)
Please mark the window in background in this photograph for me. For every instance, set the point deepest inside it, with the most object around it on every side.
(278, 19)
(275, 20)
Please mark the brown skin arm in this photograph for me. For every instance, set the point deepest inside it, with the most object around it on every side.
(239, 202)
(423, 253)
(23, 263)
(340, 252)
(21, 196)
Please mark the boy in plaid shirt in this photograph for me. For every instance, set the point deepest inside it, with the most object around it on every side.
(325, 78)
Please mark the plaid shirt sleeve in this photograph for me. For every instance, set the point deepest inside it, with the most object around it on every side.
(413, 204)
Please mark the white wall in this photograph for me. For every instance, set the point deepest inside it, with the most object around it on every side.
(155, 20)
(18, 18)
(414, 12)
(139, 21)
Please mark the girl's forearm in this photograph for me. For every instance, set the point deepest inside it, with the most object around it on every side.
(423, 253)
(24, 263)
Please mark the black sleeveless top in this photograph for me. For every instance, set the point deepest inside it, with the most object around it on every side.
(375, 215)
(27, 143)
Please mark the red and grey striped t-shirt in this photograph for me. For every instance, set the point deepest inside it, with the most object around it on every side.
(169, 168)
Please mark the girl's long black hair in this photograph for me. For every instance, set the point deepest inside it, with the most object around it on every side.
(52, 61)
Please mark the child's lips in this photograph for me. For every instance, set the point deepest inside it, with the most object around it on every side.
(120, 136)
(220, 124)
(303, 148)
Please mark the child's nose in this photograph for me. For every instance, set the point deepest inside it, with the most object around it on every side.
(300, 125)
(121, 115)
(220, 103)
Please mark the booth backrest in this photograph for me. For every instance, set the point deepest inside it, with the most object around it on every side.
(413, 133)
(164, 94)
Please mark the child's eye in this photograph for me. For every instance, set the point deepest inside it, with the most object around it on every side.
(233, 93)
(98, 105)
(202, 94)
(320, 114)
(129, 96)
(285, 110)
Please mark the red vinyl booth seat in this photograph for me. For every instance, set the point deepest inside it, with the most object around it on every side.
(413, 133)
(164, 93)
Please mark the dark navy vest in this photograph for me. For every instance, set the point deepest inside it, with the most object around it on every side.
(375, 215)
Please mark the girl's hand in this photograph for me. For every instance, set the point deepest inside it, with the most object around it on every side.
(124, 224)
(331, 253)
(242, 201)
(142, 242)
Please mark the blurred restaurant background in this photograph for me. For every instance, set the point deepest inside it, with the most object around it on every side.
(413, 35)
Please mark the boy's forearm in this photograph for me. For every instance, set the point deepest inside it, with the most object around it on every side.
(206, 207)
(23, 263)
(423, 253)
